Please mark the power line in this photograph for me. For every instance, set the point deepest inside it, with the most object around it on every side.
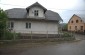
(70, 10)
(11, 5)
(56, 9)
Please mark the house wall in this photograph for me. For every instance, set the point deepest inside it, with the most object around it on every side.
(84, 27)
(31, 12)
(37, 27)
(79, 24)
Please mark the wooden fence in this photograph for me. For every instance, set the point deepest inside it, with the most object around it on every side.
(36, 35)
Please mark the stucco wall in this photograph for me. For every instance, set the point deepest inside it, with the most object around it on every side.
(79, 24)
(38, 27)
(31, 12)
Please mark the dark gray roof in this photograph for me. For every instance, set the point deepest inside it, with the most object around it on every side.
(36, 4)
(16, 13)
(50, 15)
(19, 13)
(82, 16)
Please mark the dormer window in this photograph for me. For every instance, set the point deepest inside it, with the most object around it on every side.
(36, 12)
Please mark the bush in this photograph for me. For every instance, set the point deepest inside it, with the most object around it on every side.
(8, 35)
(66, 35)
(17, 35)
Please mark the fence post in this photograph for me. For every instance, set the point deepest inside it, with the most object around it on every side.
(31, 35)
(4, 33)
(71, 34)
(14, 35)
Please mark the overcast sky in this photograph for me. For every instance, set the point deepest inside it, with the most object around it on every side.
(66, 8)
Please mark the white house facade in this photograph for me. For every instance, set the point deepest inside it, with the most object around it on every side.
(39, 10)
(34, 19)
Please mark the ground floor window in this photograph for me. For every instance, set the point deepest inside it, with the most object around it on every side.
(75, 27)
(11, 25)
(81, 27)
(70, 27)
(28, 25)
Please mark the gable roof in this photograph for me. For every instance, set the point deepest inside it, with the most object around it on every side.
(82, 16)
(36, 4)
(50, 15)
(16, 13)
(19, 13)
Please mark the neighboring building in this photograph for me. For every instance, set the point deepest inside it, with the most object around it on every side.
(34, 19)
(77, 23)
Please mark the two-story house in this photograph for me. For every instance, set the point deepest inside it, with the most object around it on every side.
(77, 23)
(33, 19)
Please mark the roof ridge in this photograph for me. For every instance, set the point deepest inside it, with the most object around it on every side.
(36, 4)
(14, 8)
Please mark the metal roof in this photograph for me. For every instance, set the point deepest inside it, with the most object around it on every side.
(50, 15)
(36, 4)
(19, 13)
(16, 13)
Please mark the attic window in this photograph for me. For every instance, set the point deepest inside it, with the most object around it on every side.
(36, 12)
(81, 20)
(72, 21)
(76, 21)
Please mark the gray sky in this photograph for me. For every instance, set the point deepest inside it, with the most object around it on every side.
(66, 8)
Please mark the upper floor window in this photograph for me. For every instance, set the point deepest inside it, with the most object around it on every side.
(36, 12)
(72, 21)
(77, 21)
(81, 20)
(28, 25)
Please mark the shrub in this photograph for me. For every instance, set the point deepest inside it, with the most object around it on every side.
(8, 35)
(17, 35)
(66, 35)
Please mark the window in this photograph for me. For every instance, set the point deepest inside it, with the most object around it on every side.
(75, 27)
(70, 27)
(81, 20)
(71, 21)
(76, 21)
(11, 25)
(28, 25)
(81, 27)
(36, 13)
